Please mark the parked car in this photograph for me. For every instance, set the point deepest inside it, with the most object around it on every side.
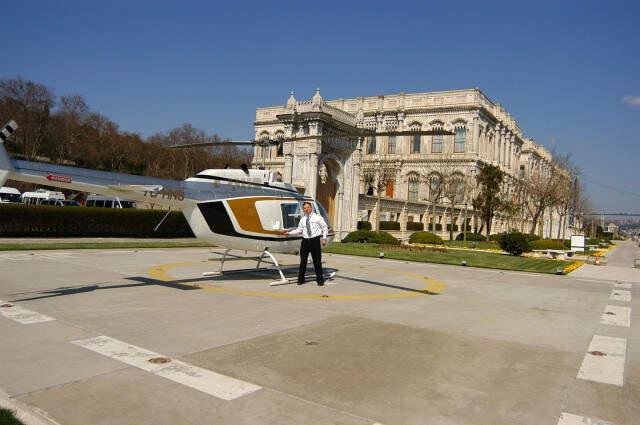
(9, 194)
(36, 198)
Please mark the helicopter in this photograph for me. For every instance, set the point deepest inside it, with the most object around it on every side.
(244, 209)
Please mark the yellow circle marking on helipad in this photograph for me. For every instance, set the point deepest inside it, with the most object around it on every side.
(432, 286)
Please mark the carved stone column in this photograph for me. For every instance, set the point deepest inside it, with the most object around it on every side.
(476, 136)
(287, 175)
(496, 145)
(312, 178)
(357, 181)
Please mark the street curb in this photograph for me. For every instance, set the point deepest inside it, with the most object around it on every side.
(28, 415)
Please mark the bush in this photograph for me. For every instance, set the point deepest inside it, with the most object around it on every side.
(415, 225)
(364, 236)
(364, 225)
(547, 244)
(389, 225)
(567, 243)
(40, 221)
(496, 236)
(476, 237)
(425, 237)
(515, 243)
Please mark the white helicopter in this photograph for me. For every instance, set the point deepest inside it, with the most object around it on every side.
(235, 209)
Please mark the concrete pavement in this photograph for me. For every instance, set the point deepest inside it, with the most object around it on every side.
(387, 342)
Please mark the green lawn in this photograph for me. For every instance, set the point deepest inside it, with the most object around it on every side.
(98, 245)
(454, 257)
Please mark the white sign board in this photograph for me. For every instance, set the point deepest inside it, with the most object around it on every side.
(577, 243)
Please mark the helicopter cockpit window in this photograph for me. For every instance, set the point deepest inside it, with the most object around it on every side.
(291, 214)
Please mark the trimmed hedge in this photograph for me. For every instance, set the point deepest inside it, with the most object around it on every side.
(475, 237)
(425, 237)
(40, 220)
(364, 225)
(365, 236)
(415, 225)
(515, 243)
(497, 236)
(547, 244)
(389, 225)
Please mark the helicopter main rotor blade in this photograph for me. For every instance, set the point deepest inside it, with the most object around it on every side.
(209, 144)
(362, 133)
(437, 132)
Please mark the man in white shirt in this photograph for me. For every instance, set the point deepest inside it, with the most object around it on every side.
(312, 226)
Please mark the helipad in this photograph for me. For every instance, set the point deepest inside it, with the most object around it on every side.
(139, 336)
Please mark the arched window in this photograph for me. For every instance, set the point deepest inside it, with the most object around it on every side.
(460, 141)
(413, 183)
(437, 140)
(458, 188)
(263, 151)
(371, 145)
(280, 146)
(436, 143)
(416, 139)
(435, 187)
(415, 143)
(391, 147)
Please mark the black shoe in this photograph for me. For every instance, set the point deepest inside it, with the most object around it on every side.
(300, 282)
(320, 283)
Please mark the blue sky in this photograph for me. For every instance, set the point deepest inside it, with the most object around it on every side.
(561, 68)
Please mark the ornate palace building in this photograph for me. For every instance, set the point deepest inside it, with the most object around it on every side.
(354, 178)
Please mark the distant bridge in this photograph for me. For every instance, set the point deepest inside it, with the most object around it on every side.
(619, 214)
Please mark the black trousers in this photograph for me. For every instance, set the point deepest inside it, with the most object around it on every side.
(311, 245)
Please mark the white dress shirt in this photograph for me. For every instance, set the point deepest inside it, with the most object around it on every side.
(317, 224)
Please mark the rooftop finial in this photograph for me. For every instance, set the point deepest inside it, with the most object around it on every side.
(291, 103)
(316, 100)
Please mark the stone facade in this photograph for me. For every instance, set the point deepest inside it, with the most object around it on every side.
(328, 162)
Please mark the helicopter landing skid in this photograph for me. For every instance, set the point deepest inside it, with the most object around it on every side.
(270, 259)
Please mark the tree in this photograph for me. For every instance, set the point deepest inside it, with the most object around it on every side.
(378, 175)
(544, 187)
(489, 202)
(68, 129)
(29, 104)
